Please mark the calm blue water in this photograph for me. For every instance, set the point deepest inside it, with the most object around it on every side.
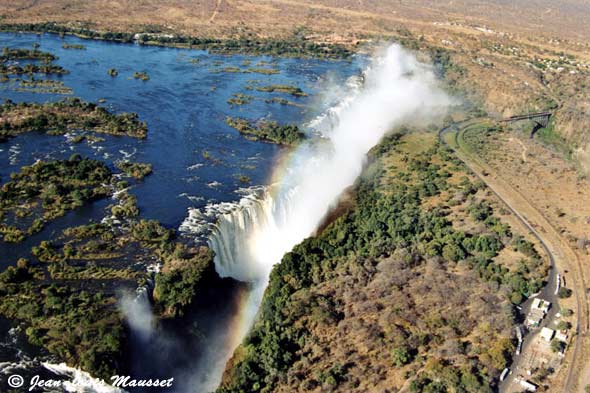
(185, 106)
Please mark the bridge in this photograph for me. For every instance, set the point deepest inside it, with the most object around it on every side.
(541, 120)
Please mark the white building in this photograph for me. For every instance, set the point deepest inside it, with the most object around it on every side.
(528, 386)
(540, 304)
(561, 335)
(547, 334)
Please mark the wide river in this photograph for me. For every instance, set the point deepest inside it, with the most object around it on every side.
(197, 159)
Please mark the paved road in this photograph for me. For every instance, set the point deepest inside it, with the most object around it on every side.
(548, 291)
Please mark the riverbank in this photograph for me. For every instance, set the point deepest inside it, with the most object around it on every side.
(295, 46)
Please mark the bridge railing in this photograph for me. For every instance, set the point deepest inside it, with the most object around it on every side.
(527, 116)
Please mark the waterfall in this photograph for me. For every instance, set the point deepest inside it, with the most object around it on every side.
(232, 238)
(251, 236)
(394, 89)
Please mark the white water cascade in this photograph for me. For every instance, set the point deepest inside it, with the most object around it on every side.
(395, 89)
(251, 237)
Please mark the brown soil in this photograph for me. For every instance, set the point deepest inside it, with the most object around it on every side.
(550, 194)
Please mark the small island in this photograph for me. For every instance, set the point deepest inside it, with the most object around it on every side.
(141, 75)
(267, 131)
(25, 54)
(138, 170)
(11, 57)
(293, 90)
(72, 114)
(46, 190)
(73, 46)
(240, 99)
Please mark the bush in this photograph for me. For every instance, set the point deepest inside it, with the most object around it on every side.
(557, 345)
(401, 356)
(566, 312)
(563, 325)
(564, 293)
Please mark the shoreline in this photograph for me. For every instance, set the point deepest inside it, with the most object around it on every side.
(295, 47)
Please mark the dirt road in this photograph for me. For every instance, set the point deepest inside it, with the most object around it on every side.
(561, 254)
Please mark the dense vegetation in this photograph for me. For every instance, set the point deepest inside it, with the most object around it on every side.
(181, 278)
(395, 254)
(138, 170)
(267, 131)
(16, 54)
(25, 54)
(75, 314)
(30, 69)
(70, 114)
(81, 328)
(296, 46)
(67, 298)
(45, 190)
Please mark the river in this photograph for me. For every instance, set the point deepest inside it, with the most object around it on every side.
(196, 157)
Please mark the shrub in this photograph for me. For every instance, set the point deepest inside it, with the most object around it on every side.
(564, 293)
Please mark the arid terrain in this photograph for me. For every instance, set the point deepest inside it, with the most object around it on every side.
(553, 195)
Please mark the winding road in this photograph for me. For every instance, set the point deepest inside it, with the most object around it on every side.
(561, 256)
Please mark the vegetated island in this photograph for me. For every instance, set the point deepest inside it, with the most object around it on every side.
(296, 45)
(281, 101)
(11, 56)
(138, 170)
(417, 279)
(33, 85)
(66, 294)
(73, 46)
(46, 190)
(139, 75)
(71, 114)
(267, 131)
(240, 99)
(264, 71)
(25, 54)
(293, 90)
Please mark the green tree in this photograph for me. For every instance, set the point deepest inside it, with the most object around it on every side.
(557, 345)
(564, 293)
(401, 356)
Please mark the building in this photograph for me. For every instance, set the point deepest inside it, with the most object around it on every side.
(504, 374)
(540, 304)
(535, 317)
(547, 334)
(539, 309)
(528, 386)
(561, 335)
